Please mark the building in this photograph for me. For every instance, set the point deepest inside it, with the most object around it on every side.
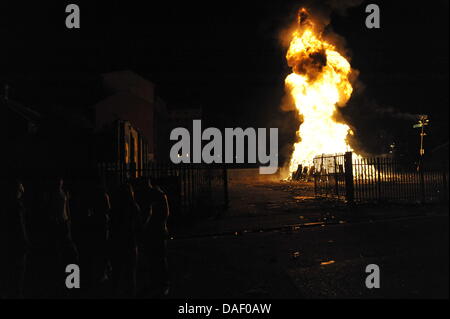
(19, 126)
(19, 120)
(133, 117)
(120, 142)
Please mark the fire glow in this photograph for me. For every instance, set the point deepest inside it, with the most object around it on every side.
(318, 84)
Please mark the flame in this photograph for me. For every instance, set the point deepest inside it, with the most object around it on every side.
(319, 83)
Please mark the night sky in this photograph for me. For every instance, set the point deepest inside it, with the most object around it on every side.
(226, 57)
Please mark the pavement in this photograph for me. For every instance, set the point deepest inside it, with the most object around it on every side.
(276, 241)
(279, 242)
(266, 206)
(317, 262)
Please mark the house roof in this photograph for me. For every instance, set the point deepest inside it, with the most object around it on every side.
(23, 111)
(128, 81)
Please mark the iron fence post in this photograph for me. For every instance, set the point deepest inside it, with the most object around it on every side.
(379, 178)
(349, 186)
(336, 185)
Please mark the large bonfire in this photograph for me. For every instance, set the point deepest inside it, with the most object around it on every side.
(319, 82)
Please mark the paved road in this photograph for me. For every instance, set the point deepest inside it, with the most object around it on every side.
(412, 254)
(268, 205)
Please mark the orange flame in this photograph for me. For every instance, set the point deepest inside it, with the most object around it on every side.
(319, 83)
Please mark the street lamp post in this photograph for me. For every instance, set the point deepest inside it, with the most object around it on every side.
(423, 121)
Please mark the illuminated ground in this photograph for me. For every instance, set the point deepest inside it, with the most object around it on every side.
(271, 244)
(411, 252)
(275, 236)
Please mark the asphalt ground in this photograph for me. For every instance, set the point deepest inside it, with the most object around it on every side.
(323, 261)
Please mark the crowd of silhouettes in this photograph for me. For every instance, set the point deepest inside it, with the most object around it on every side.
(117, 238)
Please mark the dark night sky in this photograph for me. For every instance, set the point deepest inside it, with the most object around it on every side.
(226, 57)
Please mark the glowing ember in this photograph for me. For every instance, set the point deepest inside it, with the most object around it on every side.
(318, 84)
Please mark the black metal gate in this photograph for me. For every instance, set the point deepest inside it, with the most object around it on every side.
(190, 188)
(345, 176)
(329, 176)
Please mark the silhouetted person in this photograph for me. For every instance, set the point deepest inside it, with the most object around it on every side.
(61, 250)
(144, 196)
(90, 208)
(125, 228)
(13, 240)
(155, 234)
(60, 220)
